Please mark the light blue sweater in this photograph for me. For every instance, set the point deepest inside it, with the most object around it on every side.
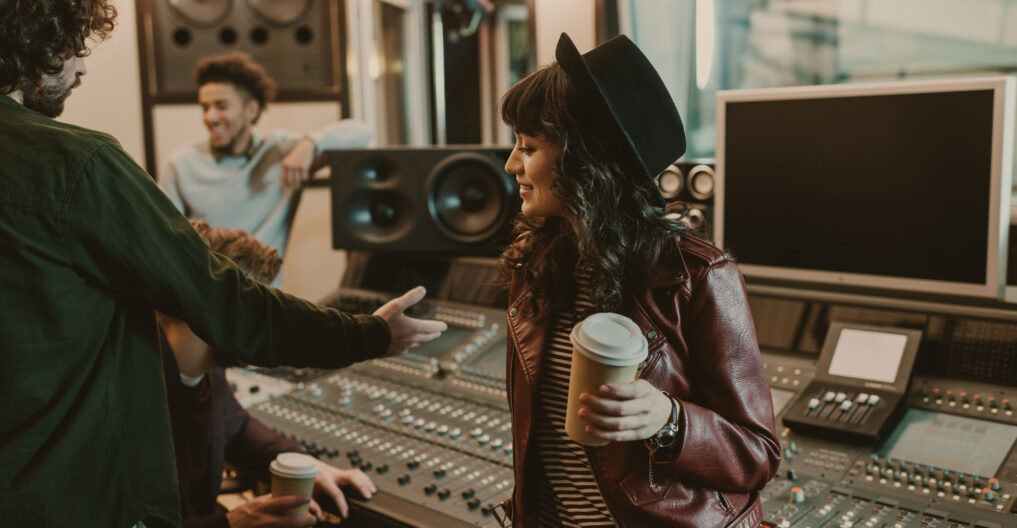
(245, 191)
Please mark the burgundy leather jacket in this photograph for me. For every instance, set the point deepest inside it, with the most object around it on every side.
(703, 352)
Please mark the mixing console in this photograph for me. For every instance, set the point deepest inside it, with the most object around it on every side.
(939, 468)
(433, 428)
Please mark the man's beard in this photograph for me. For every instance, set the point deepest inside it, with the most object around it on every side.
(48, 96)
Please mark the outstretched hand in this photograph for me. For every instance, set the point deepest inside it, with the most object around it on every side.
(407, 332)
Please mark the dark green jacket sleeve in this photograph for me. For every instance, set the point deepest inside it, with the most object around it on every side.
(127, 236)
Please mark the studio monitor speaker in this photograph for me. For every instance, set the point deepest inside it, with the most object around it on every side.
(688, 187)
(437, 200)
(297, 41)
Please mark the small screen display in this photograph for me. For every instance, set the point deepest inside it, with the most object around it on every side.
(781, 398)
(449, 338)
(957, 443)
(492, 359)
(868, 355)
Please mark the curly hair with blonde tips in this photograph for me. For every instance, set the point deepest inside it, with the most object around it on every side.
(258, 260)
(37, 36)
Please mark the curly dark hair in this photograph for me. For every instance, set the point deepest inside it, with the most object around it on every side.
(258, 260)
(37, 36)
(610, 225)
(241, 71)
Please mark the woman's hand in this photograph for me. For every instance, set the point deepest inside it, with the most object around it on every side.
(625, 411)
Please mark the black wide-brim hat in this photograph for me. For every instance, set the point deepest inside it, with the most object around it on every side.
(621, 98)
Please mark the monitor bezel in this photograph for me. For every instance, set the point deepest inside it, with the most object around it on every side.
(1003, 88)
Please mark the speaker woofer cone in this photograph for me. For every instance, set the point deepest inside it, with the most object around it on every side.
(701, 182)
(466, 197)
(670, 182)
(280, 13)
(378, 216)
(203, 13)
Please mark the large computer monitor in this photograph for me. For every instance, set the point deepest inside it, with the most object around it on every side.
(901, 186)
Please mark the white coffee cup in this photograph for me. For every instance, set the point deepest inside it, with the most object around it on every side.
(606, 348)
(293, 474)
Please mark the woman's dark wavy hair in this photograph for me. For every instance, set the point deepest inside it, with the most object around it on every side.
(37, 36)
(619, 229)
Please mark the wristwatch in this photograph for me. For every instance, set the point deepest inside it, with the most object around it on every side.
(668, 435)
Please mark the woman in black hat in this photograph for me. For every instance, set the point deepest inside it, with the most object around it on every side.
(692, 440)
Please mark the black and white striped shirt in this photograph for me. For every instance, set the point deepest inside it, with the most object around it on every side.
(569, 494)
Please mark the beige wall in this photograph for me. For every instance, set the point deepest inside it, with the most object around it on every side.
(109, 98)
(575, 17)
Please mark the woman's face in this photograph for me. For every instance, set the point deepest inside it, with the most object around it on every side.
(532, 162)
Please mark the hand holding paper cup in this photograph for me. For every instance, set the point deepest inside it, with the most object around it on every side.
(293, 474)
(606, 348)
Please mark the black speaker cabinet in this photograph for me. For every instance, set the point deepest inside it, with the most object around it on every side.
(688, 186)
(437, 200)
(297, 41)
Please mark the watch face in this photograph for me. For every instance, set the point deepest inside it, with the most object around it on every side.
(664, 438)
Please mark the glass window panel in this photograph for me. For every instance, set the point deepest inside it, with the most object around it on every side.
(703, 46)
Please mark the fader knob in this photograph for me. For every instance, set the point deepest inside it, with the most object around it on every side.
(473, 504)
(430, 489)
(468, 494)
(444, 494)
(797, 495)
(403, 479)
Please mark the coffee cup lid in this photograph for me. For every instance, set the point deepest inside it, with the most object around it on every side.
(610, 338)
(294, 465)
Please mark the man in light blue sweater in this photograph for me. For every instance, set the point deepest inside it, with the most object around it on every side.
(236, 178)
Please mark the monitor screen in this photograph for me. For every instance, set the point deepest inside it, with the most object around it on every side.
(889, 185)
(868, 355)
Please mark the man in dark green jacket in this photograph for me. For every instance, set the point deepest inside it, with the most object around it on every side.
(89, 249)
